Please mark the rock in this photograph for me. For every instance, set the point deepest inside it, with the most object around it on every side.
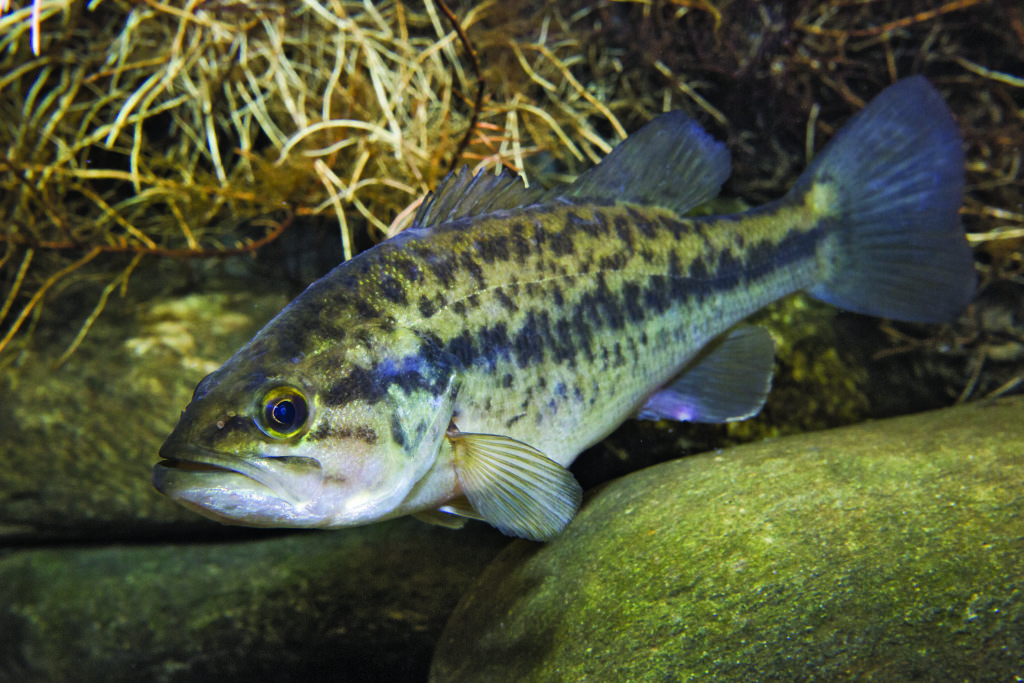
(79, 441)
(886, 551)
(360, 604)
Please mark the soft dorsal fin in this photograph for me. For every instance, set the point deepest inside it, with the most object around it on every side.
(462, 194)
(671, 162)
(728, 381)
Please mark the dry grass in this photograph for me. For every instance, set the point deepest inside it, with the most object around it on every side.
(133, 131)
(149, 129)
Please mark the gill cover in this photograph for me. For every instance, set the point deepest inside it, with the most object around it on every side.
(398, 390)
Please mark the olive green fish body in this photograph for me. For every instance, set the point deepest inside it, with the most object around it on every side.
(562, 319)
(457, 368)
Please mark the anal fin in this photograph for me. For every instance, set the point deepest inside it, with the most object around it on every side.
(460, 506)
(729, 380)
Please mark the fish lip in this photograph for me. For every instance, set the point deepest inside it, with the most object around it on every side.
(295, 480)
(192, 466)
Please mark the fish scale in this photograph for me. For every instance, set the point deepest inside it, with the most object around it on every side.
(672, 312)
(456, 369)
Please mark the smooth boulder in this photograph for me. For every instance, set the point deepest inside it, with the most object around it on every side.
(78, 442)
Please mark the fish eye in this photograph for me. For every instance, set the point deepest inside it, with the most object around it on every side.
(283, 413)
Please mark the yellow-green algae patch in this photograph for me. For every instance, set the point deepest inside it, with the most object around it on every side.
(885, 551)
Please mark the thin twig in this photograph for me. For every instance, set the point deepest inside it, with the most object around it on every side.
(26, 260)
(918, 18)
(187, 253)
(478, 101)
(97, 309)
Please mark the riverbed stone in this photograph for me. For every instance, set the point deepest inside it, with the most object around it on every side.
(358, 604)
(78, 439)
(890, 550)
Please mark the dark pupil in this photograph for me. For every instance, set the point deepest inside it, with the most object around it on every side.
(283, 413)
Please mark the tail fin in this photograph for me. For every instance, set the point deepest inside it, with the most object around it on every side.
(897, 174)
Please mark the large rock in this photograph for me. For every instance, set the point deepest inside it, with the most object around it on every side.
(355, 605)
(78, 442)
(886, 551)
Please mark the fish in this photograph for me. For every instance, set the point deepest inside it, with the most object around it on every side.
(454, 371)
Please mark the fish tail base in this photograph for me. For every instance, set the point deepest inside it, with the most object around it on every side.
(892, 184)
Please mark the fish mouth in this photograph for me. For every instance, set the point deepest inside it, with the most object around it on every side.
(252, 490)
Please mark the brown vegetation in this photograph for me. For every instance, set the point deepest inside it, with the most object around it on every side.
(133, 131)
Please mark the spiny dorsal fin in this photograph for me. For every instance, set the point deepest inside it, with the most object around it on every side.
(513, 486)
(462, 194)
(728, 381)
(671, 162)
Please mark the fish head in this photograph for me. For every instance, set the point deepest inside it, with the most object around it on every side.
(337, 437)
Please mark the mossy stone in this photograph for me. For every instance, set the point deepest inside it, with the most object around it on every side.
(78, 442)
(891, 550)
(360, 605)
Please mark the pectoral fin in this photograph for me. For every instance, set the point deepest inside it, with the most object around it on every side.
(728, 381)
(513, 486)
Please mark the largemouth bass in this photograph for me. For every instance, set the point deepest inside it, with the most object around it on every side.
(456, 369)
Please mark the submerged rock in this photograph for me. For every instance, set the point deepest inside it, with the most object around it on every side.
(79, 441)
(891, 550)
(360, 604)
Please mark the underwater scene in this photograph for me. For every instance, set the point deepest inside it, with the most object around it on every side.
(663, 340)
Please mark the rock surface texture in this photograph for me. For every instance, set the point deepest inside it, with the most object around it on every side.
(891, 550)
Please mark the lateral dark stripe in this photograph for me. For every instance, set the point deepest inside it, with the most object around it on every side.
(424, 372)
(392, 289)
(540, 287)
(426, 306)
(566, 336)
(764, 257)
(397, 432)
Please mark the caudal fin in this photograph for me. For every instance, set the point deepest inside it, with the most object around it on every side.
(895, 178)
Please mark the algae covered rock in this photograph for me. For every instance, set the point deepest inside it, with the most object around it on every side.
(885, 551)
(360, 604)
(78, 442)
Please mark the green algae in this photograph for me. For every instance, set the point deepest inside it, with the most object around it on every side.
(885, 551)
(816, 385)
